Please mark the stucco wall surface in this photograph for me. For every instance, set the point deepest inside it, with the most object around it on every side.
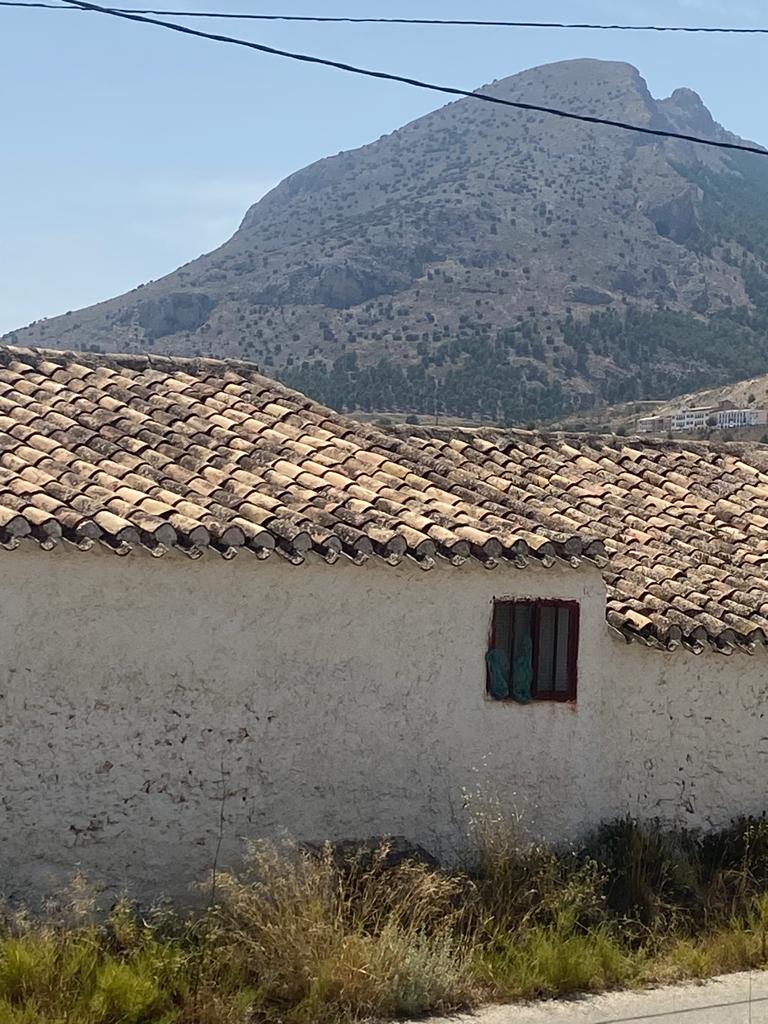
(691, 735)
(326, 702)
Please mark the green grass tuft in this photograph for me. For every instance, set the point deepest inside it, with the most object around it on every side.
(300, 937)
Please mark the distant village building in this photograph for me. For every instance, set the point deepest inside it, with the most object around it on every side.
(228, 611)
(694, 418)
(728, 419)
(705, 417)
(652, 424)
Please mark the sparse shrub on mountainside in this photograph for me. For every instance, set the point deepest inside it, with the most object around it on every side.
(507, 379)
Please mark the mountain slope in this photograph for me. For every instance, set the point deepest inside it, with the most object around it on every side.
(488, 261)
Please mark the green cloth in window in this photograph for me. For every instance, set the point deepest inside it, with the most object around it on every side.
(498, 673)
(522, 670)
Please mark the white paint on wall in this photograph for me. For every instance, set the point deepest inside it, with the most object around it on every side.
(339, 701)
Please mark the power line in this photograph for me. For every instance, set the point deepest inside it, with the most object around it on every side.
(416, 82)
(464, 22)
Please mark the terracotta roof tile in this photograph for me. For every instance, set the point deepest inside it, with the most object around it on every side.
(160, 452)
(686, 524)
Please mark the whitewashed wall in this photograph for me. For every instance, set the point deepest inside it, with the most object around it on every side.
(690, 735)
(340, 701)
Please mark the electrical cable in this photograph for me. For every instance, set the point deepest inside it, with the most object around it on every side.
(416, 82)
(461, 22)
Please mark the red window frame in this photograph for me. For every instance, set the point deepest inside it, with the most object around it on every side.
(567, 696)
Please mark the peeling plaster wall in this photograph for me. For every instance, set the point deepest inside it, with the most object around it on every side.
(339, 702)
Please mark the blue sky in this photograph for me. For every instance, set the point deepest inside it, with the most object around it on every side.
(127, 150)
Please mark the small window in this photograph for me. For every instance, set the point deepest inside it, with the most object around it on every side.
(533, 651)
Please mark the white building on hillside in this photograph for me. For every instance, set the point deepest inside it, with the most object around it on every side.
(705, 417)
(735, 418)
(694, 418)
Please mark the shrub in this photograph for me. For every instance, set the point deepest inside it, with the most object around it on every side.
(652, 873)
(339, 935)
(528, 884)
(324, 941)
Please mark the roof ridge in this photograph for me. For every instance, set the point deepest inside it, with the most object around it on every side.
(140, 361)
(248, 368)
(129, 360)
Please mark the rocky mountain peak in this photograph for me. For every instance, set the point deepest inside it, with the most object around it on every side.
(504, 263)
(687, 113)
(583, 85)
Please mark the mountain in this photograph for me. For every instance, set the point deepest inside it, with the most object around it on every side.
(485, 261)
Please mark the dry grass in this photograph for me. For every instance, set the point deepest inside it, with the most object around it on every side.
(300, 937)
(327, 942)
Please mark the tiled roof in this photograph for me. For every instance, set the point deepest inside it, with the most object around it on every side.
(685, 523)
(196, 454)
(160, 452)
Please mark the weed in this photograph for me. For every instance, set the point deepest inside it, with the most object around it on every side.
(556, 960)
(323, 941)
(302, 936)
